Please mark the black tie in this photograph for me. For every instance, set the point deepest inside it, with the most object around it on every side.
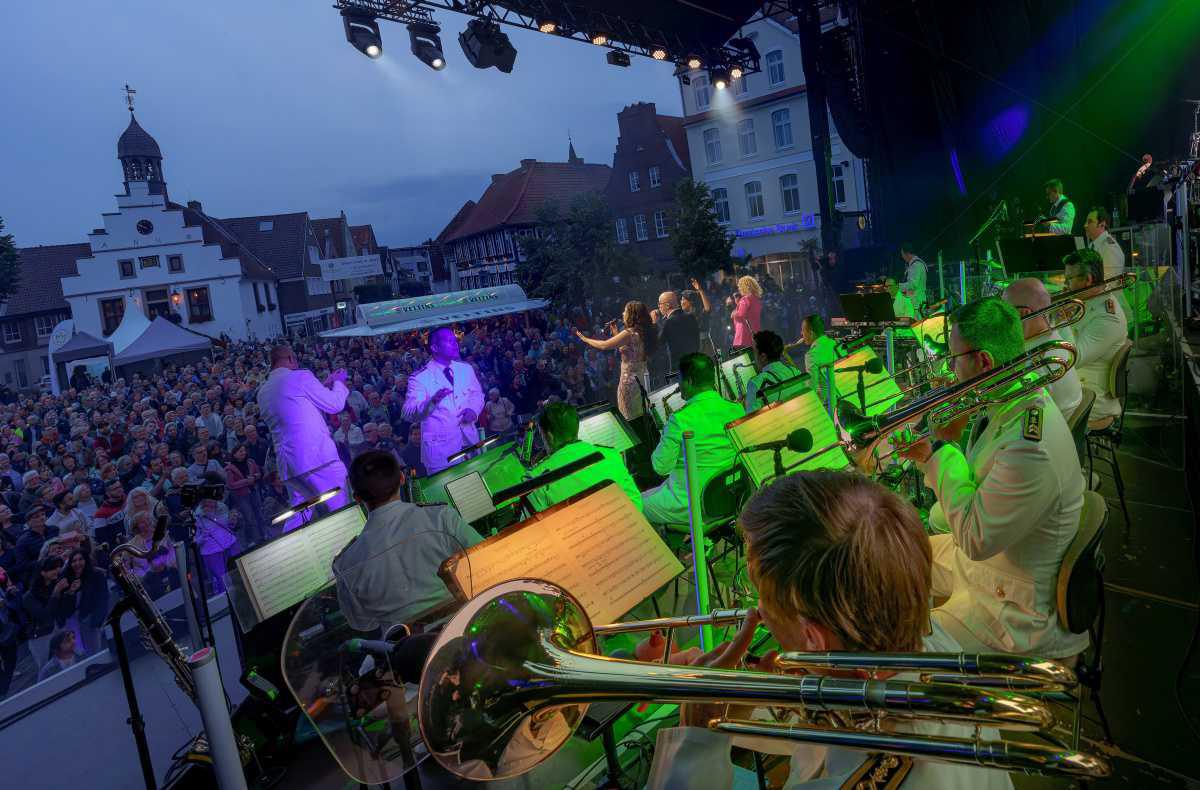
(449, 375)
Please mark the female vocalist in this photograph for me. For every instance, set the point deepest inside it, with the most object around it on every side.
(637, 341)
(747, 314)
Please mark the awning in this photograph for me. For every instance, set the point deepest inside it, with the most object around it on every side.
(161, 339)
(422, 312)
(81, 346)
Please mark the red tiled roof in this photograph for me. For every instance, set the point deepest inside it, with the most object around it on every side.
(364, 236)
(39, 287)
(336, 228)
(515, 197)
(459, 219)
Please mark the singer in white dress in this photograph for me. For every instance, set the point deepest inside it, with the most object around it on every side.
(445, 397)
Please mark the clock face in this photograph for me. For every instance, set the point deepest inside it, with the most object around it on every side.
(145, 227)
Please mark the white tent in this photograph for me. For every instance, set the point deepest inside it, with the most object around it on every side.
(421, 312)
(161, 339)
(133, 324)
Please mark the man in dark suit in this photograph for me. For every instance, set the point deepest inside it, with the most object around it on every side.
(678, 330)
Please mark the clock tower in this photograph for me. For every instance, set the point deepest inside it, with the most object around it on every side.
(141, 159)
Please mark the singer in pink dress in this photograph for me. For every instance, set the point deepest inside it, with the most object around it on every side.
(636, 342)
(747, 314)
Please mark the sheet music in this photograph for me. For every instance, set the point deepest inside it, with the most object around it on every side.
(737, 372)
(776, 422)
(601, 549)
(882, 391)
(292, 567)
(605, 429)
(470, 497)
(671, 397)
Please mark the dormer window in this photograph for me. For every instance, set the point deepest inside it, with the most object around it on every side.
(266, 225)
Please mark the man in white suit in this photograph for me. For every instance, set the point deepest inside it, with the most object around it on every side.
(445, 398)
(294, 403)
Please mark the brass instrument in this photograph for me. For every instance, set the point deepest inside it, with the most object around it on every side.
(156, 633)
(510, 677)
(1017, 378)
(1111, 285)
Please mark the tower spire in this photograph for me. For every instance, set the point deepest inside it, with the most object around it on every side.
(572, 157)
(129, 97)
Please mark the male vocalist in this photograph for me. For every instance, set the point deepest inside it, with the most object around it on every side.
(445, 398)
(293, 403)
(1060, 219)
(916, 273)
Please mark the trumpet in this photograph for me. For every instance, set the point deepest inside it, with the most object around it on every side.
(510, 677)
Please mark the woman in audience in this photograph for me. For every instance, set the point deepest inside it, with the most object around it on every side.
(90, 589)
(242, 477)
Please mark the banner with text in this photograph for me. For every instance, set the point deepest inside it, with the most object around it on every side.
(350, 268)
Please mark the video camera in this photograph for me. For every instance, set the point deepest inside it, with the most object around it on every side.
(191, 494)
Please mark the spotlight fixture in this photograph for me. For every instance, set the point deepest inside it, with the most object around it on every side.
(746, 46)
(718, 77)
(616, 57)
(735, 73)
(426, 44)
(546, 25)
(486, 46)
(598, 38)
(694, 62)
(658, 53)
(362, 31)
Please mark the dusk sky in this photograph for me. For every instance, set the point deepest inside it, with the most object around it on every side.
(261, 106)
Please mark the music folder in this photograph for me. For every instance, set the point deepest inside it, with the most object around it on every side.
(774, 422)
(596, 545)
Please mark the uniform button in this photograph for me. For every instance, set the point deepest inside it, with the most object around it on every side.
(999, 591)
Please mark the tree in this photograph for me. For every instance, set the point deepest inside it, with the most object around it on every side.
(701, 246)
(10, 272)
(574, 255)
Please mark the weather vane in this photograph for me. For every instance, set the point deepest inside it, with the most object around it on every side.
(129, 96)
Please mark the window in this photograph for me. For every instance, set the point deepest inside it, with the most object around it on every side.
(660, 223)
(721, 204)
(174, 263)
(754, 200)
(149, 262)
(747, 145)
(46, 366)
(111, 313)
(712, 145)
(622, 231)
(257, 302)
(158, 302)
(781, 121)
(655, 177)
(741, 87)
(265, 225)
(635, 181)
(789, 189)
(775, 68)
(44, 324)
(639, 227)
(270, 302)
(126, 269)
(12, 332)
(700, 85)
(199, 306)
(840, 170)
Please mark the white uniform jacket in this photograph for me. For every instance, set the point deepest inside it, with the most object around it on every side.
(1063, 213)
(818, 362)
(1067, 392)
(916, 274)
(294, 403)
(1097, 338)
(442, 432)
(1114, 263)
(694, 757)
(1011, 506)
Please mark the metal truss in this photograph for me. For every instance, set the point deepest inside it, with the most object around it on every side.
(575, 21)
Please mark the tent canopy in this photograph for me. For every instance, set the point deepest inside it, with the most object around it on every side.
(133, 324)
(422, 312)
(82, 346)
(161, 339)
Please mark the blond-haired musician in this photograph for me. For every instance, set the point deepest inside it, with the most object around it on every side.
(840, 563)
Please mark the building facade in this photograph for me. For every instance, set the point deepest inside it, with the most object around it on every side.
(29, 315)
(411, 264)
(751, 144)
(169, 260)
(482, 242)
(650, 159)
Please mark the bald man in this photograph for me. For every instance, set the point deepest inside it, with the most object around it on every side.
(678, 330)
(294, 403)
(445, 397)
(1029, 295)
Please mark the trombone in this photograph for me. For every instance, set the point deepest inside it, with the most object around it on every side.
(510, 677)
(1088, 292)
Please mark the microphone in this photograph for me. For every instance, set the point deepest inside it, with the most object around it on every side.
(405, 657)
(873, 366)
(1147, 161)
(798, 441)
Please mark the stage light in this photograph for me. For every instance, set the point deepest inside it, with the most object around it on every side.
(486, 46)
(599, 39)
(694, 62)
(659, 53)
(718, 77)
(735, 73)
(616, 57)
(362, 31)
(426, 44)
(547, 25)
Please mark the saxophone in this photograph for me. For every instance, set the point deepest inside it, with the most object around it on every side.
(156, 633)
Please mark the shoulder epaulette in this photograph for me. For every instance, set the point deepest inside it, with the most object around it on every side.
(881, 771)
(1031, 428)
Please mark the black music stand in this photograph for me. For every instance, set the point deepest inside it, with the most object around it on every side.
(868, 307)
(1037, 254)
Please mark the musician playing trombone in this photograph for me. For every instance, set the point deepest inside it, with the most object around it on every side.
(1029, 295)
(1098, 337)
(1008, 507)
(840, 563)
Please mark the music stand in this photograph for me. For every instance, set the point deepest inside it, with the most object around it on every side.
(1037, 254)
(868, 307)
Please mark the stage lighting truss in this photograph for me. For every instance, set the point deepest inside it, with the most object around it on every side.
(573, 19)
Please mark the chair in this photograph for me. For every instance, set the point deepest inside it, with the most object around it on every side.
(1103, 443)
(1080, 600)
(720, 503)
(1077, 421)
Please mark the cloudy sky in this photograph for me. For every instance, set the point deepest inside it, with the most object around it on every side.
(260, 106)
